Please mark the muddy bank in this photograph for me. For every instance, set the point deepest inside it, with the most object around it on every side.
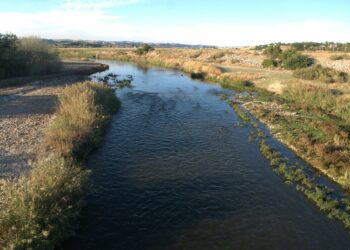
(26, 109)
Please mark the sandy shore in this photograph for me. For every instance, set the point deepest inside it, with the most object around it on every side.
(25, 111)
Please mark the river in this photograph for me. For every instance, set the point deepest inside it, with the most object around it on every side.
(175, 171)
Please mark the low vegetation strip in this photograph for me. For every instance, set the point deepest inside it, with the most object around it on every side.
(323, 197)
(40, 210)
(313, 121)
(320, 195)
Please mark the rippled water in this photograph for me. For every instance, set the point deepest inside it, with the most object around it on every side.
(174, 172)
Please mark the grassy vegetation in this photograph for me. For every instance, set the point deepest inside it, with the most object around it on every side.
(289, 59)
(157, 58)
(311, 46)
(322, 74)
(74, 129)
(320, 195)
(314, 122)
(40, 210)
(26, 56)
(269, 63)
(340, 57)
(216, 56)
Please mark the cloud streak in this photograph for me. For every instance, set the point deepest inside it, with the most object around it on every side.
(236, 34)
(94, 4)
(73, 19)
(90, 20)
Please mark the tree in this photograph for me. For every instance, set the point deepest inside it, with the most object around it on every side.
(144, 49)
(25, 56)
(273, 51)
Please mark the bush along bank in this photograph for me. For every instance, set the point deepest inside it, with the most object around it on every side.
(41, 209)
(26, 56)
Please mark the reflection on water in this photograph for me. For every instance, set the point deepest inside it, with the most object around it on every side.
(175, 173)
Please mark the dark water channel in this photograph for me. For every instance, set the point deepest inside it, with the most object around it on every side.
(174, 172)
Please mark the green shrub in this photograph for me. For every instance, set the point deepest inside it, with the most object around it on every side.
(26, 56)
(290, 59)
(294, 60)
(319, 73)
(144, 49)
(273, 51)
(269, 63)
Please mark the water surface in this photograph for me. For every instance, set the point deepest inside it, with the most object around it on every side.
(176, 172)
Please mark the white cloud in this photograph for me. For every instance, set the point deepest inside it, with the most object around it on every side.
(236, 34)
(94, 4)
(74, 19)
(78, 19)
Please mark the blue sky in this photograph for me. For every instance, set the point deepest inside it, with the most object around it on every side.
(223, 23)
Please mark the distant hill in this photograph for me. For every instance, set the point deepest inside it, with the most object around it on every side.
(328, 46)
(67, 43)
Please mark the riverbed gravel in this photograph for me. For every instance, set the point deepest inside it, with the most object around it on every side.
(24, 114)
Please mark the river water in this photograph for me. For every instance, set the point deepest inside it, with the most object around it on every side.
(176, 172)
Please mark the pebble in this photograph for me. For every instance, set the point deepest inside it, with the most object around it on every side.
(23, 120)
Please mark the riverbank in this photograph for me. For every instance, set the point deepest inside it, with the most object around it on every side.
(40, 200)
(311, 118)
(25, 110)
(178, 169)
(69, 68)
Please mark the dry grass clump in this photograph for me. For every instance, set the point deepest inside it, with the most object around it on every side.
(216, 56)
(323, 74)
(41, 209)
(320, 99)
(336, 57)
(82, 109)
(199, 67)
(243, 76)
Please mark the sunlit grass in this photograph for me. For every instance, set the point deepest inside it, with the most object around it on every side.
(40, 210)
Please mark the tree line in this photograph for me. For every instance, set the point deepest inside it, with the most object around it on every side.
(311, 46)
